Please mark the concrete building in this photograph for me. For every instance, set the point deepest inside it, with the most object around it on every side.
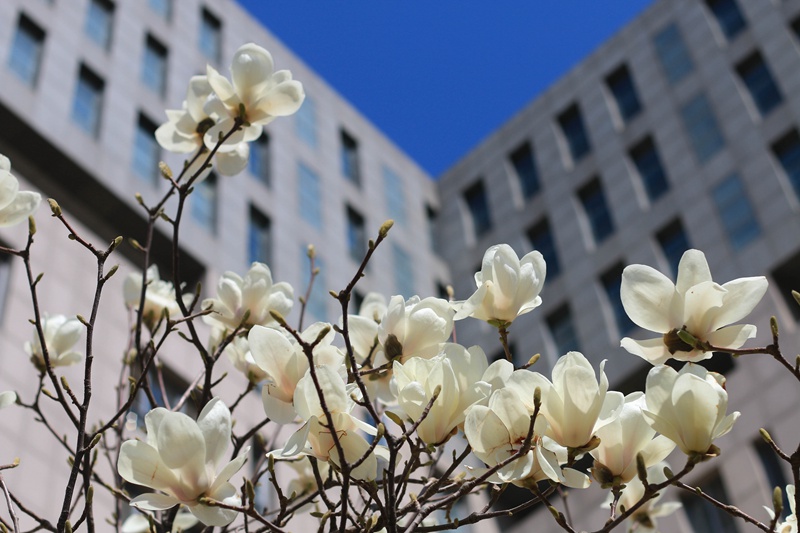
(84, 86)
(680, 132)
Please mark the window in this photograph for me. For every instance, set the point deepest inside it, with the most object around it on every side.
(703, 515)
(210, 36)
(260, 161)
(756, 76)
(796, 27)
(736, 212)
(356, 235)
(310, 195)
(88, 103)
(154, 66)
(673, 54)
(26, 50)
(541, 239)
(403, 271)
(317, 305)
(574, 132)
(478, 205)
(701, 126)
(259, 238)
(787, 151)
(98, 22)
(562, 330)
(620, 83)
(673, 241)
(395, 197)
(645, 157)
(204, 203)
(525, 169)
(728, 16)
(594, 205)
(612, 282)
(350, 158)
(306, 122)
(146, 150)
(432, 216)
(162, 7)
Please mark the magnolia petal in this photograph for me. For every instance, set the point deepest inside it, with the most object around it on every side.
(223, 130)
(277, 410)
(228, 472)
(654, 351)
(180, 442)
(234, 161)
(215, 425)
(732, 337)
(9, 186)
(726, 424)
(154, 502)
(140, 463)
(282, 100)
(645, 294)
(67, 335)
(223, 89)
(24, 205)
(742, 296)
(692, 270)
(297, 442)
(657, 450)
(212, 515)
(575, 479)
(468, 307)
(251, 67)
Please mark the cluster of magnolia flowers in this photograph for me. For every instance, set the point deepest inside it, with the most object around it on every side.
(408, 364)
(254, 97)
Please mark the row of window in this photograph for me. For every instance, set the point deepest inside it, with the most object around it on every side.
(28, 44)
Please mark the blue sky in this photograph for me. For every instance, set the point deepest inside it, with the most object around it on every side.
(438, 76)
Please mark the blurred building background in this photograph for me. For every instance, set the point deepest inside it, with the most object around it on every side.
(680, 132)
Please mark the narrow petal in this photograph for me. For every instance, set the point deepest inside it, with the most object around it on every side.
(692, 270)
(228, 471)
(215, 424)
(732, 337)
(23, 206)
(742, 296)
(654, 351)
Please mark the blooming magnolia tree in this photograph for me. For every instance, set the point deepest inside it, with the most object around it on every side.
(389, 422)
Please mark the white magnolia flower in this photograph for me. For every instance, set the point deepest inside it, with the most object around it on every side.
(622, 439)
(456, 373)
(305, 482)
(255, 295)
(363, 327)
(414, 327)
(159, 296)
(15, 205)
(238, 351)
(498, 430)
(577, 404)
(694, 303)
(507, 286)
(7, 398)
(688, 407)
(139, 523)
(185, 129)
(180, 459)
(284, 363)
(643, 520)
(315, 436)
(60, 335)
(257, 90)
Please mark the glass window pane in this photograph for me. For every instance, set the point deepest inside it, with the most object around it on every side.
(756, 76)
(317, 305)
(88, 102)
(673, 54)
(620, 83)
(395, 196)
(736, 211)
(612, 282)
(204, 203)
(260, 162)
(146, 150)
(525, 168)
(154, 66)
(306, 122)
(356, 235)
(562, 330)
(674, 242)
(478, 205)
(648, 164)
(26, 50)
(210, 36)
(98, 22)
(259, 242)
(162, 7)
(403, 271)
(787, 151)
(574, 132)
(310, 195)
(728, 16)
(595, 206)
(349, 152)
(541, 239)
(701, 126)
